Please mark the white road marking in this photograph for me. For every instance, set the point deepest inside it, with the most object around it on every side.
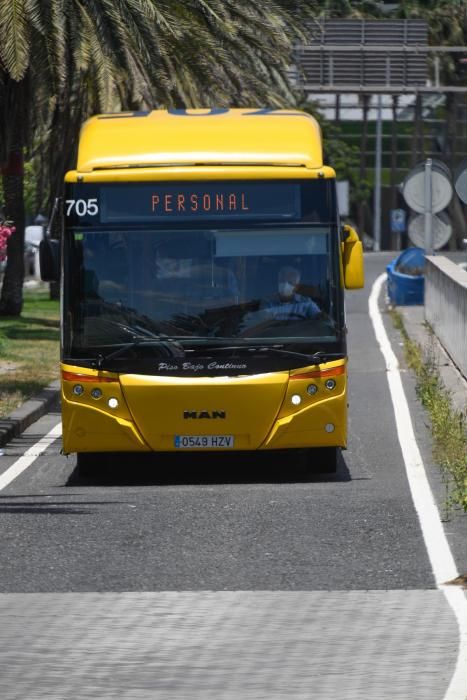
(29, 456)
(442, 561)
(440, 555)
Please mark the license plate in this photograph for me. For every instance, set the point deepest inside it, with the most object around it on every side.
(205, 442)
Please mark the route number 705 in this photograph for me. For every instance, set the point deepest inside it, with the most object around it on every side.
(82, 207)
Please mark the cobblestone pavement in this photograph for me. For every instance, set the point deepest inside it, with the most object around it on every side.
(362, 645)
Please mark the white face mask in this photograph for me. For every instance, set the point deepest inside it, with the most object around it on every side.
(286, 289)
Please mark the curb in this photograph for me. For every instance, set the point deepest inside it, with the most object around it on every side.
(28, 413)
(456, 384)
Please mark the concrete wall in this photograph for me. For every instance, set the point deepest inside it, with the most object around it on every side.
(446, 306)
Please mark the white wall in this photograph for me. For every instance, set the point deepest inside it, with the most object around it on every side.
(446, 306)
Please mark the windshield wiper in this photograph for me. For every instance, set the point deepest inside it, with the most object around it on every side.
(312, 359)
(168, 347)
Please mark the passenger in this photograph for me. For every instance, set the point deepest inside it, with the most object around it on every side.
(287, 303)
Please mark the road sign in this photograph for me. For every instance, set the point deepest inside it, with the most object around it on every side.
(441, 226)
(461, 181)
(398, 221)
(413, 188)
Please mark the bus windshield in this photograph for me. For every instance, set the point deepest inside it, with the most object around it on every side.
(266, 282)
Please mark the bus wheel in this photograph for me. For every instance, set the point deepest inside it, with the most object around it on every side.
(323, 460)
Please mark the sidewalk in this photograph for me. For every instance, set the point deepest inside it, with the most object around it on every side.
(28, 413)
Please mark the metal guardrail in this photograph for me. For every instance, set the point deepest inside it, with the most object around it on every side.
(351, 52)
(446, 307)
(356, 56)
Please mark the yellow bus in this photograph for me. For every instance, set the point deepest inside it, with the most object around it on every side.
(203, 269)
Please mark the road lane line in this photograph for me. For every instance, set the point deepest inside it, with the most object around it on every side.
(439, 552)
(29, 456)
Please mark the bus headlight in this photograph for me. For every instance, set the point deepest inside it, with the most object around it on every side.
(296, 399)
(312, 389)
(330, 384)
(96, 393)
(112, 403)
(78, 389)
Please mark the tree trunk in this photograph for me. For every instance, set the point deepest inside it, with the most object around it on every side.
(11, 300)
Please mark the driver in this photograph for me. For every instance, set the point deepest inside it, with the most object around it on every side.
(287, 303)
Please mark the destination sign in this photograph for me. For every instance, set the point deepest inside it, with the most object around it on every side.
(182, 202)
(207, 201)
(173, 203)
(211, 202)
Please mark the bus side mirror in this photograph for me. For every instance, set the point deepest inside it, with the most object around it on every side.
(49, 259)
(352, 259)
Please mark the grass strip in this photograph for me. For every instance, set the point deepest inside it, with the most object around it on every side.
(449, 426)
(29, 349)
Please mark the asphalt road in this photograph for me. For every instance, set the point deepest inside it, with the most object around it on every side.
(201, 527)
(234, 524)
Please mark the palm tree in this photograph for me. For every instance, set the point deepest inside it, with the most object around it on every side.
(60, 62)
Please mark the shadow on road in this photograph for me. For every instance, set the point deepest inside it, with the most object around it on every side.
(35, 508)
(166, 469)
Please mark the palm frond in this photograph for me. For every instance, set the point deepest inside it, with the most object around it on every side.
(14, 37)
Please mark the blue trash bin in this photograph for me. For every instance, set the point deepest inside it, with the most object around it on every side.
(406, 277)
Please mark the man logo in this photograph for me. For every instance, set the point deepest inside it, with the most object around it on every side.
(203, 414)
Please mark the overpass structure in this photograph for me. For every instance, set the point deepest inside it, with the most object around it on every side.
(398, 100)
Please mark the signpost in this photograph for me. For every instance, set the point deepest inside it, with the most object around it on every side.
(427, 189)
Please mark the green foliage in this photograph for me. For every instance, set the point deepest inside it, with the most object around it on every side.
(57, 68)
(29, 349)
(447, 26)
(449, 427)
(344, 158)
(354, 9)
(30, 189)
(61, 62)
